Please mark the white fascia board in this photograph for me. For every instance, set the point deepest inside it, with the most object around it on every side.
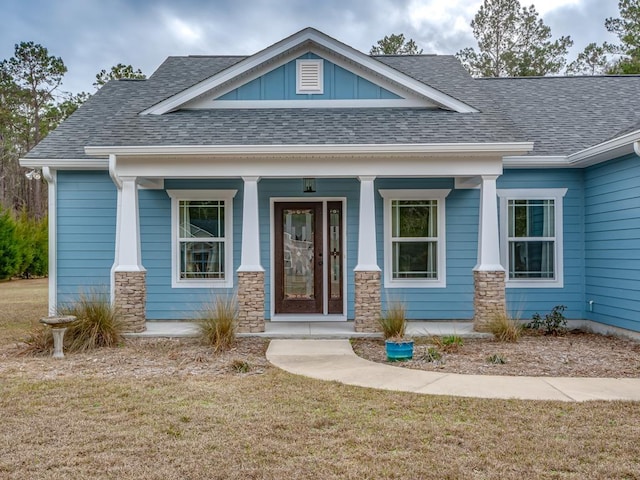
(271, 104)
(475, 149)
(290, 43)
(66, 163)
(617, 147)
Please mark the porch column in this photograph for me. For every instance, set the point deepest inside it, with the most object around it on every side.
(488, 274)
(250, 272)
(129, 293)
(367, 272)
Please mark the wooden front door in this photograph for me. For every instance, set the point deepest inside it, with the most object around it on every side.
(298, 257)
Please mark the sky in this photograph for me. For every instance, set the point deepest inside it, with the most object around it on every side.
(91, 35)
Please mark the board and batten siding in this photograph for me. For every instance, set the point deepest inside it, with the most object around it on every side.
(86, 232)
(280, 84)
(524, 302)
(612, 242)
(163, 301)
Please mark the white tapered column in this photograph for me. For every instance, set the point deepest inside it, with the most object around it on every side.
(367, 272)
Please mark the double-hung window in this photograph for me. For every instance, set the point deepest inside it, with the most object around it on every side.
(202, 238)
(531, 227)
(414, 232)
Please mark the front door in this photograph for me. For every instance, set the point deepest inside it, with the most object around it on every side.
(304, 282)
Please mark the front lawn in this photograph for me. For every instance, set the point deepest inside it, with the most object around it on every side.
(95, 415)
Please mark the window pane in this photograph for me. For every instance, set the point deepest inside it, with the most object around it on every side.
(531, 260)
(531, 218)
(202, 260)
(415, 260)
(201, 219)
(414, 218)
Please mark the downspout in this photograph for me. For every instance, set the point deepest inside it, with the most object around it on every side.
(50, 176)
(636, 147)
(118, 183)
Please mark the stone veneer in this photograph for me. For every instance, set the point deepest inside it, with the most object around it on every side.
(131, 298)
(489, 297)
(250, 302)
(367, 301)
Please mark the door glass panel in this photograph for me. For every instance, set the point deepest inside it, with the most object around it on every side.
(334, 252)
(299, 253)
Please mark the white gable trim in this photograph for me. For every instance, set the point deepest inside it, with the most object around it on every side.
(297, 41)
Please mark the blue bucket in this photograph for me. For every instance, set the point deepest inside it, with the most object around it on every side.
(399, 350)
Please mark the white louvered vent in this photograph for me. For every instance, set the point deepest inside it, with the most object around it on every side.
(309, 76)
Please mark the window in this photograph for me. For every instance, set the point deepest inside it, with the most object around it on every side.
(531, 247)
(309, 76)
(414, 231)
(202, 238)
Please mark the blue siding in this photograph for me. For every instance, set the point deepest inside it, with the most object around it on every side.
(456, 300)
(163, 301)
(526, 301)
(86, 221)
(280, 84)
(612, 242)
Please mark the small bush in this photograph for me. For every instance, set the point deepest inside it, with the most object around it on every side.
(497, 359)
(39, 342)
(240, 366)
(432, 355)
(217, 325)
(504, 328)
(448, 343)
(394, 321)
(10, 256)
(98, 323)
(553, 323)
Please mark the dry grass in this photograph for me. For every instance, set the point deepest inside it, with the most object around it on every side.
(276, 426)
(505, 328)
(22, 304)
(218, 320)
(92, 416)
(393, 321)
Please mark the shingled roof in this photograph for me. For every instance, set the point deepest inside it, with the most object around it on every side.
(560, 115)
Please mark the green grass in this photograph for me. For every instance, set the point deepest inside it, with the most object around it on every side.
(77, 423)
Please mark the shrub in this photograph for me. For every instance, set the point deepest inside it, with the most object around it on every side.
(497, 359)
(553, 323)
(217, 325)
(9, 246)
(98, 323)
(39, 342)
(504, 328)
(394, 320)
(432, 355)
(448, 343)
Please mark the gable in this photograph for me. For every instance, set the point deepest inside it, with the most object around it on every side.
(281, 84)
(364, 79)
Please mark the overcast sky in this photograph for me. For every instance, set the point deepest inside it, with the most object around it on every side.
(91, 35)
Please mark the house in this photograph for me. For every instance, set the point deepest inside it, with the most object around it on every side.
(318, 183)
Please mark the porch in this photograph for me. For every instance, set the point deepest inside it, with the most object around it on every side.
(301, 329)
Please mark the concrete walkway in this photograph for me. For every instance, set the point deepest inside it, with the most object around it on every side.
(335, 360)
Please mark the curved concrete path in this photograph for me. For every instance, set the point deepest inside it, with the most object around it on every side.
(335, 360)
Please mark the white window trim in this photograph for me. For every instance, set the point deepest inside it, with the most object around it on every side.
(319, 88)
(412, 194)
(212, 195)
(555, 194)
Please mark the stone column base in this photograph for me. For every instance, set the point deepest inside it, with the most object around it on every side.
(250, 302)
(367, 302)
(130, 299)
(489, 298)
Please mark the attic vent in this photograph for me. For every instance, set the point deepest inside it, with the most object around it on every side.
(309, 76)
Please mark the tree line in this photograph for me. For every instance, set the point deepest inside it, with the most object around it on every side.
(513, 41)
